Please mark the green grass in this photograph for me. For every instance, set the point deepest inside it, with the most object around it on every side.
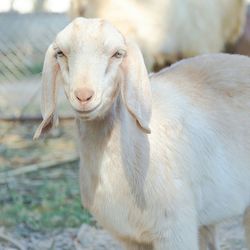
(43, 200)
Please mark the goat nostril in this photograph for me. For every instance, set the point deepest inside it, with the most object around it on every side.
(84, 94)
(88, 99)
(78, 98)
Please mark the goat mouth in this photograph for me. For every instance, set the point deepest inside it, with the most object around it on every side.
(88, 111)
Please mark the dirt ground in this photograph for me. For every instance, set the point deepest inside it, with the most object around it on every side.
(91, 238)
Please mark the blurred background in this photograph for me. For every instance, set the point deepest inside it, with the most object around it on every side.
(40, 204)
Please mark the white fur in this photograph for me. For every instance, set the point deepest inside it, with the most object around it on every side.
(168, 30)
(154, 173)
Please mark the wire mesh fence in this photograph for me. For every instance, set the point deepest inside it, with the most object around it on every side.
(23, 41)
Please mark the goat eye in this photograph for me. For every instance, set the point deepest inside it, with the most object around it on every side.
(118, 54)
(59, 53)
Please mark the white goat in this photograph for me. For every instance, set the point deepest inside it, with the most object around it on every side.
(153, 180)
(168, 30)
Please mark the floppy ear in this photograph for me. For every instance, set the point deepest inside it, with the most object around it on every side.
(49, 93)
(136, 88)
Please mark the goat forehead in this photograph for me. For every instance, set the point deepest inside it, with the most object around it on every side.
(91, 33)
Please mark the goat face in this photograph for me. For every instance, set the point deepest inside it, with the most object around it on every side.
(94, 62)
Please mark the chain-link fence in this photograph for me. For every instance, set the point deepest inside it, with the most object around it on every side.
(23, 41)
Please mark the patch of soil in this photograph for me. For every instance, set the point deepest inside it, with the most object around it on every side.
(88, 238)
(230, 235)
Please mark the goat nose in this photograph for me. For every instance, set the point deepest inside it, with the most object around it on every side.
(84, 94)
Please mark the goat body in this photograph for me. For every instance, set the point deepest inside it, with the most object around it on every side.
(194, 164)
(168, 30)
